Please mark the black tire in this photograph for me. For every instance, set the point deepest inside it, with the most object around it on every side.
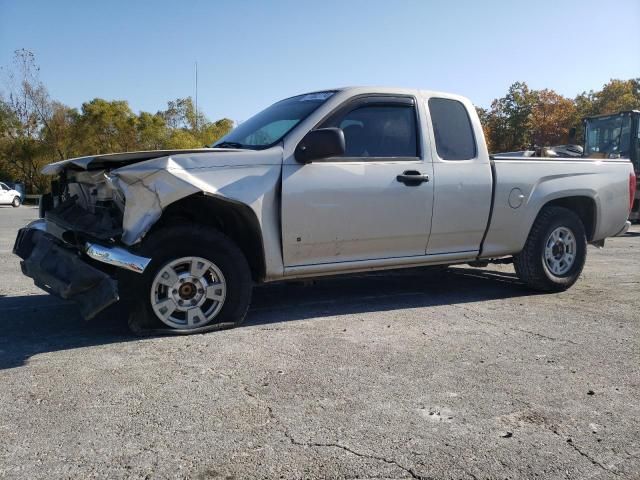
(530, 264)
(172, 243)
(16, 202)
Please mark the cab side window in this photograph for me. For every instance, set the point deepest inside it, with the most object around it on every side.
(378, 130)
(452, 129)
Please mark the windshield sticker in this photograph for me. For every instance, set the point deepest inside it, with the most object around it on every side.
(309, 97)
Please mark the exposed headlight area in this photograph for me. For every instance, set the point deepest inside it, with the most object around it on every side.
(86, 206)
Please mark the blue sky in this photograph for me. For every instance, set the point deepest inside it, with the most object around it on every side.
(251, 53)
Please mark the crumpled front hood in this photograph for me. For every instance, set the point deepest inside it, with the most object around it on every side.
(151, 181)
(117, 160)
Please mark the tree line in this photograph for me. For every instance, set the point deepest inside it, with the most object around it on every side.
(36, 129)
(526, 118)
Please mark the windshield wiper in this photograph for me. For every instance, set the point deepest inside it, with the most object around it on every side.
(229, 145)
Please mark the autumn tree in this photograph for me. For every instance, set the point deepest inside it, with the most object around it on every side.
(551, 118)
(525, 118)
(615, 96)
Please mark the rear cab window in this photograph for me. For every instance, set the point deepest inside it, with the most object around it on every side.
(452, 129)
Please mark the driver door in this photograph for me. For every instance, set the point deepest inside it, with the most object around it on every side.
(363, 205)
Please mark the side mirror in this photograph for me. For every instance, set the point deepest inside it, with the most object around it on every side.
(321, 143)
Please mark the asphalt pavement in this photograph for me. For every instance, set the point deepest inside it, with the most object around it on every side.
(411, 374)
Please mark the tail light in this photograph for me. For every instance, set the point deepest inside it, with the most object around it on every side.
(632, 189)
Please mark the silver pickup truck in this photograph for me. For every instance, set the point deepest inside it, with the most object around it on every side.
(324, 183)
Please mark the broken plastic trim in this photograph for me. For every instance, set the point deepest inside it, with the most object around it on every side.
(59, 270)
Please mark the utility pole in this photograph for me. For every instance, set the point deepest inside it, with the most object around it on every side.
(196, 96)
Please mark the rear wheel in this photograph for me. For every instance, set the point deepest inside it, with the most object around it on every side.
(16, 202)
(198, 280)
(555, 252)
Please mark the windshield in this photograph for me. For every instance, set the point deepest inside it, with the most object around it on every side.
(272, 124)
(608, 137)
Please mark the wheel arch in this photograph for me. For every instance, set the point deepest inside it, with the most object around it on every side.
(236, 220)
(583, 206)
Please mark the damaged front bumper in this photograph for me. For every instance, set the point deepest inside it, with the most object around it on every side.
(66, 271)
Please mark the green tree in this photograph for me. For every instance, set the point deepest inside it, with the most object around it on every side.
(61, 139)
(213, 131)
(107, 126)
(181, 139)
(152, 131)
(508, 120)
(181, 115)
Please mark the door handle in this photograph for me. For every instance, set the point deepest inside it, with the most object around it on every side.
(412, 178)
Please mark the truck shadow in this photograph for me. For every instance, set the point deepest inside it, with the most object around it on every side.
(380, 291)
(31, 325)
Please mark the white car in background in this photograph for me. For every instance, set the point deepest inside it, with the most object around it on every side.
(9, 196)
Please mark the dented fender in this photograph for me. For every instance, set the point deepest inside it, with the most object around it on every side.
(247, 177)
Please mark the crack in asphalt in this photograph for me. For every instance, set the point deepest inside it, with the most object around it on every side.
(292, 439)
(540, 335)
(590, 458)
(409, 470)
(522, 330)
(569, 442)
(285, 431)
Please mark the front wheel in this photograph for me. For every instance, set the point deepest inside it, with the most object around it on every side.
(16, 202)
(198, 280)
(555, 251)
